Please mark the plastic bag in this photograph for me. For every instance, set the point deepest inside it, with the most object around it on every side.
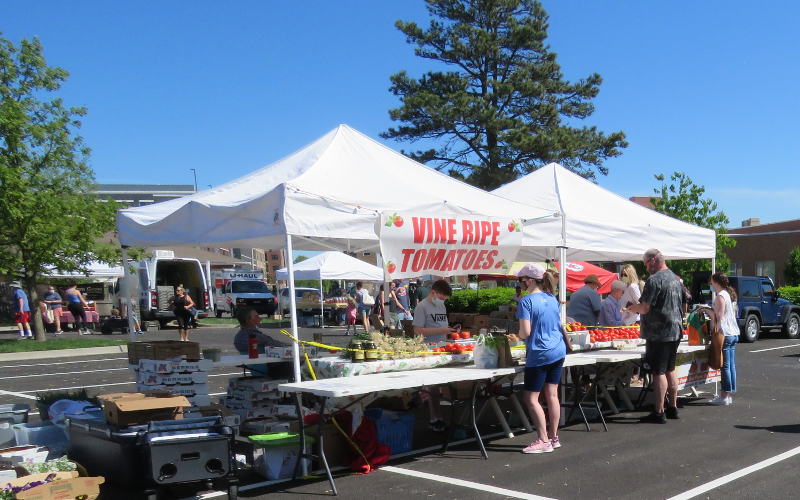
(485, 353)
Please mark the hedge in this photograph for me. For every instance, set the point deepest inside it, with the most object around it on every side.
(790, 293)
(482, 301)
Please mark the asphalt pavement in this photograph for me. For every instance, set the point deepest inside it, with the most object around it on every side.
(711, 446)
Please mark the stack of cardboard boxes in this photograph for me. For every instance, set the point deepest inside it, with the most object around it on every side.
(180, 377)
(258, 397)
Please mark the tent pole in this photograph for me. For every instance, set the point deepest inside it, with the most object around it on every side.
(321, 306)
(385, 290)
(212, 306)
(713, 264)
(293, 307)
(562, 283)
(125, 291)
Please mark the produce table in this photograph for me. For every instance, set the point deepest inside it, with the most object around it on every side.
(367, 384)
(336, 367)
(91, 316)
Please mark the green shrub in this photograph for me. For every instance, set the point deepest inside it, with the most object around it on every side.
(790, 293)
(481, 301)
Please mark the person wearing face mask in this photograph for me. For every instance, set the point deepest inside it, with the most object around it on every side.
(430, 321)
(53, 301)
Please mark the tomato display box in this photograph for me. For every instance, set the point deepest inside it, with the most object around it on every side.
(162, 349)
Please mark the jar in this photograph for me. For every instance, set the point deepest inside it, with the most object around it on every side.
(357, 352)
(370, 351)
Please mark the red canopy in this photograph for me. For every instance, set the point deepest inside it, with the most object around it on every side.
(578, 271)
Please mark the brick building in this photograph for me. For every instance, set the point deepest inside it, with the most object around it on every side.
(763, 249)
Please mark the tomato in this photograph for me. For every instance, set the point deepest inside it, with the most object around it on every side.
(465, 335)
(333, 351)
(454, 336)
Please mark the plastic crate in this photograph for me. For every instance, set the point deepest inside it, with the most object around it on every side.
(395, 429)
(14, 413)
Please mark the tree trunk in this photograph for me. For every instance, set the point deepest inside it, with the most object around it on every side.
(36, 315)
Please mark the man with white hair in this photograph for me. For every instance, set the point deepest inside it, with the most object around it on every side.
(662, 327)
(611, 312)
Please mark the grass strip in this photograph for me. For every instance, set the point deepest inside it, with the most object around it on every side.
(51, 344)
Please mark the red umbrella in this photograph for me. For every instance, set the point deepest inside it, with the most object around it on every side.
(578, 271)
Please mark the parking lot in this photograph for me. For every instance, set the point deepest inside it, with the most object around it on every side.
(709, 447)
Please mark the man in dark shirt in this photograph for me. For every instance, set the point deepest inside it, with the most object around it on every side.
(249, 321)
(662, 326)
(584, 305)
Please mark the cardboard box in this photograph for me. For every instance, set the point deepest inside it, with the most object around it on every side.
(172, 378)
(212, 410)
(338, 451)
(248, 413)
(200, 400)
(278, 352)
(247, 395)
(178, 390)
(86, 488)
(135, 408)
(162, 349)
(247, 403)
(258, 384)
(164, 366)
(480, 321)
(265, 425)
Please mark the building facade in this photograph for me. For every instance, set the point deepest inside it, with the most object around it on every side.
(763, 249)
(139, 195)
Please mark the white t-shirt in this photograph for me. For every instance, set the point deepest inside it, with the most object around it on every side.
(632, 294)
(728, 323)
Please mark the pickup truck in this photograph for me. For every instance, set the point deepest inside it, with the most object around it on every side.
(761, 308)
(245, 292)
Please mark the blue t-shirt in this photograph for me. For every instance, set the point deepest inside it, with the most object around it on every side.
(545, 345)
(19, 294)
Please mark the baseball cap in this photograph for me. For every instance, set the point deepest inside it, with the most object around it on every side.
(592, 278)
(531, 270)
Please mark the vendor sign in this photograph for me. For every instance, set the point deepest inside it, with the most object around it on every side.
(416, 244)
(692, 369)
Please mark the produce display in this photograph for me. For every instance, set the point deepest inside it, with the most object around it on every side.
(615, 333)
(575, 326)
(454, 348)
(384, 346)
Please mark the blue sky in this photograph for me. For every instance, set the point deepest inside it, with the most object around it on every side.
(708, 87)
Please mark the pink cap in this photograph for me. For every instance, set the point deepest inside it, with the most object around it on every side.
(531, 270)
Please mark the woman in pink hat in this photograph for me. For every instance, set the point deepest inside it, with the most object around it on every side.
(545, 349)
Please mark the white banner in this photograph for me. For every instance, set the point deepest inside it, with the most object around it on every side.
(415, 244)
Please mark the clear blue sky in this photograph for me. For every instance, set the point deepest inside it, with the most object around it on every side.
(707, 87)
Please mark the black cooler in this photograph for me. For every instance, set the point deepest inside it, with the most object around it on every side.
(162, 453)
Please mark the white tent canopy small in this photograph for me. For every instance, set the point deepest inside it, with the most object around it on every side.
(598, 225)
(333, 266)
(96, 270)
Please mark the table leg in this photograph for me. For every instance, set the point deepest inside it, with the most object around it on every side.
(302, 451)
(500, 417)
(608, 398)
(322, 445)
(475, 422)
(623, 395)
(514, 397)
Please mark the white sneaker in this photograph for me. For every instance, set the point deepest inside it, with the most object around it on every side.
(720, 401)
(729, 400)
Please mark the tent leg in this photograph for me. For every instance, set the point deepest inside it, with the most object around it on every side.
(386, 287)
(293, 308)
(562, 283)
(321, 306)
(125, 291)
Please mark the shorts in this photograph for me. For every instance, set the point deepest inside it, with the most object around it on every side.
(22, 317)
(183, 319)
(659, 357)
(56, 312)
(364, 309)
(537, 376)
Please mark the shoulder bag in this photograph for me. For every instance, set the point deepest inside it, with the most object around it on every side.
(715, 351)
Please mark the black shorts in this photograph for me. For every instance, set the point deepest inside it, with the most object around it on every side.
(182, 317)
(659, 357)
(537, 376)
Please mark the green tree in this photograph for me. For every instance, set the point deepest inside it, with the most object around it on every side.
(682, 199)
(792, 271)
(48, 216)
(504, 108)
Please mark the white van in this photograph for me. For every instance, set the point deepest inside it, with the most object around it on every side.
(158, 277)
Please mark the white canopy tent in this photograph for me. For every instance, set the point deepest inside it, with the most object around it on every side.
(325, 196)
(96, 270)
(333, 266)
(598, 225)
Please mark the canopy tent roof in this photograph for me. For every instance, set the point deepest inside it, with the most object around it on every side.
(331, 191)
(599, 225)
(96, 270)
(333, 266)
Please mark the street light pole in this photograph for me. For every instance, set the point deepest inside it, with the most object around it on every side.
(194, 172)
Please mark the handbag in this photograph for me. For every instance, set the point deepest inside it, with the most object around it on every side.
(715, 352)
(368, 300)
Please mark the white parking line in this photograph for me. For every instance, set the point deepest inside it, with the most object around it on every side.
(736, 475)
(17, 394)
(64, 373)
(465, 484)
(103, 385)
(781, 347)
(63, 363)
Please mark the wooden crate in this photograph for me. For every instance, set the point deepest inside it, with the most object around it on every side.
(481, 321)
(162, 349)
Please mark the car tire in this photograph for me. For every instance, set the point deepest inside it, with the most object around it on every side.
(751, 330)
(217, 313)
(791, 329)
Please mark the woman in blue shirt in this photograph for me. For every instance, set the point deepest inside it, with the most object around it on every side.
(545, 349)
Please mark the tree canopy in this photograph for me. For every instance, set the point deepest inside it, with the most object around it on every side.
(503, 109)
(49, 218)
(792, 271)
(681, 198)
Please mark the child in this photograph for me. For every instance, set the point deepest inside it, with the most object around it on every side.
(350, 314)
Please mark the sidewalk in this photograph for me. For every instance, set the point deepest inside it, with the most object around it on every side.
(63, 353)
